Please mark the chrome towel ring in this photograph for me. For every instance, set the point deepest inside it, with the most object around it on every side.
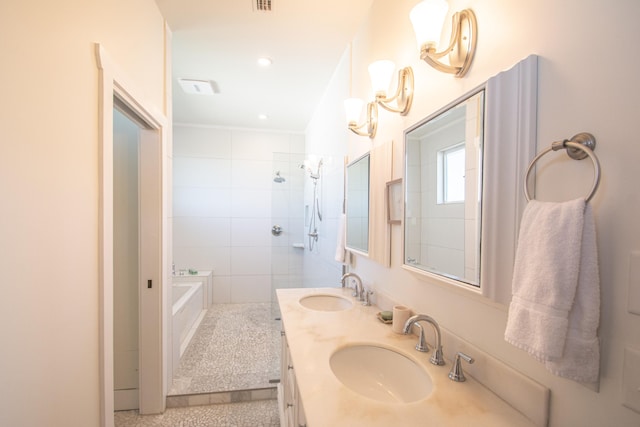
(578, 147)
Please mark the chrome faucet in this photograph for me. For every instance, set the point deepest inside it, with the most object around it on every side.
(359, 292)
(437, 357)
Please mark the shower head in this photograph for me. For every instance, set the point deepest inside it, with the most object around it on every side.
(279, 179)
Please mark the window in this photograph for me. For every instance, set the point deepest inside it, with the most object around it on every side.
(451, 171)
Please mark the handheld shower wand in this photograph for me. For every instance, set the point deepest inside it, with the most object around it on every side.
(315, 211)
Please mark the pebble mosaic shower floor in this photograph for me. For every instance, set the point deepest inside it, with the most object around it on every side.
(236, 347)
(261, 413)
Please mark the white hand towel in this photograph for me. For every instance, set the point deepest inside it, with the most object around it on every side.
(581, 358)
(341, 255)
(554, 312)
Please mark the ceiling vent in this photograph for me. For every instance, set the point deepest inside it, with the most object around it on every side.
(262, 5)
(198, 87)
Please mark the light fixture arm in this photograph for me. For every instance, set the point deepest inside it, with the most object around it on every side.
(371, 123)
(462, 45)
(455, 30)
(403, 95)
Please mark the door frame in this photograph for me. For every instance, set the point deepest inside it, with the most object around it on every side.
(113, 83)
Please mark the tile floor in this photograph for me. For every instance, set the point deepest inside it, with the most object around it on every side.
(236, 347)
(260, 413)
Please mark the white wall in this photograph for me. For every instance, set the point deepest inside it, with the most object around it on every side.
(49, 193)
(224, 205)
(326, 139)
(587, 82)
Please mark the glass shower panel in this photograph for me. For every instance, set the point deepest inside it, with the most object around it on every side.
(287, 213)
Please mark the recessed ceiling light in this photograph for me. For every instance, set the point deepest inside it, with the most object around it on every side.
(263, 116)
(265, 61)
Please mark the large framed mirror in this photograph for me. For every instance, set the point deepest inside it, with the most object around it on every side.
(463, 180)
(357, 206)
(442, 185)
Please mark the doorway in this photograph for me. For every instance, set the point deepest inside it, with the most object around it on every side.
(136, 256)
(126, 259)
(126, 256)
(114, 91)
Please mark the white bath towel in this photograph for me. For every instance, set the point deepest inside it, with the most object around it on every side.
(342, 256)
(555, 309)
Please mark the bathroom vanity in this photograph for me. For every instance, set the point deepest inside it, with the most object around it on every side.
(336, 353)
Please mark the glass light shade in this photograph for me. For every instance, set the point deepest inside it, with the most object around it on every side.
(265, 61)
(353, 109)
(381, 73)
(427, 18)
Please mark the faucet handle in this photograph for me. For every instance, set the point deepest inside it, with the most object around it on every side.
(355, 293)
(422, 342)
(437, 357)
(346, 283)
(367, 297)
(456, 373)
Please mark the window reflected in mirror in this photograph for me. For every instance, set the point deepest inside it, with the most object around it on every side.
(358, 205)
(443, 182)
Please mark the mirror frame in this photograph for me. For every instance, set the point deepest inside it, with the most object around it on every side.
(509, 144)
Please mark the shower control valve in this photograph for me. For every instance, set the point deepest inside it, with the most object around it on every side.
(276, 230)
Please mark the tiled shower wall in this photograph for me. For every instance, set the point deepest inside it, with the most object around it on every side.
(224, 198)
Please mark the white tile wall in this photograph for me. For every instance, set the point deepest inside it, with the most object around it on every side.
(280, 260)
(201, 172)
(224, 205)
(203, 202)
(251, 203)
(248, 145)
(251, 232)
(254, 174)
(201, 142)
(250, 260)
(251, 288)
(202, 231)
(281, 206)
(222, 289)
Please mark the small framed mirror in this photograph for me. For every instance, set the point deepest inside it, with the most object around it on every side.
(443, 191)
(357, 205)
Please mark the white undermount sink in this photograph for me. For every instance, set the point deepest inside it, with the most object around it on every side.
(326, 302)
(381, 374)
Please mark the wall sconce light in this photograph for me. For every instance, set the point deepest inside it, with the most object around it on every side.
(381, 73)
(353, 109)
(427, 18)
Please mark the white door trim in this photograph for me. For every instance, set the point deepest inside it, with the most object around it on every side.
(112, 83)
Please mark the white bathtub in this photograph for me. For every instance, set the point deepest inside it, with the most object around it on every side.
(188, 310)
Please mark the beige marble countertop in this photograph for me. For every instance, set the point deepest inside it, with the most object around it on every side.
(313, 336)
